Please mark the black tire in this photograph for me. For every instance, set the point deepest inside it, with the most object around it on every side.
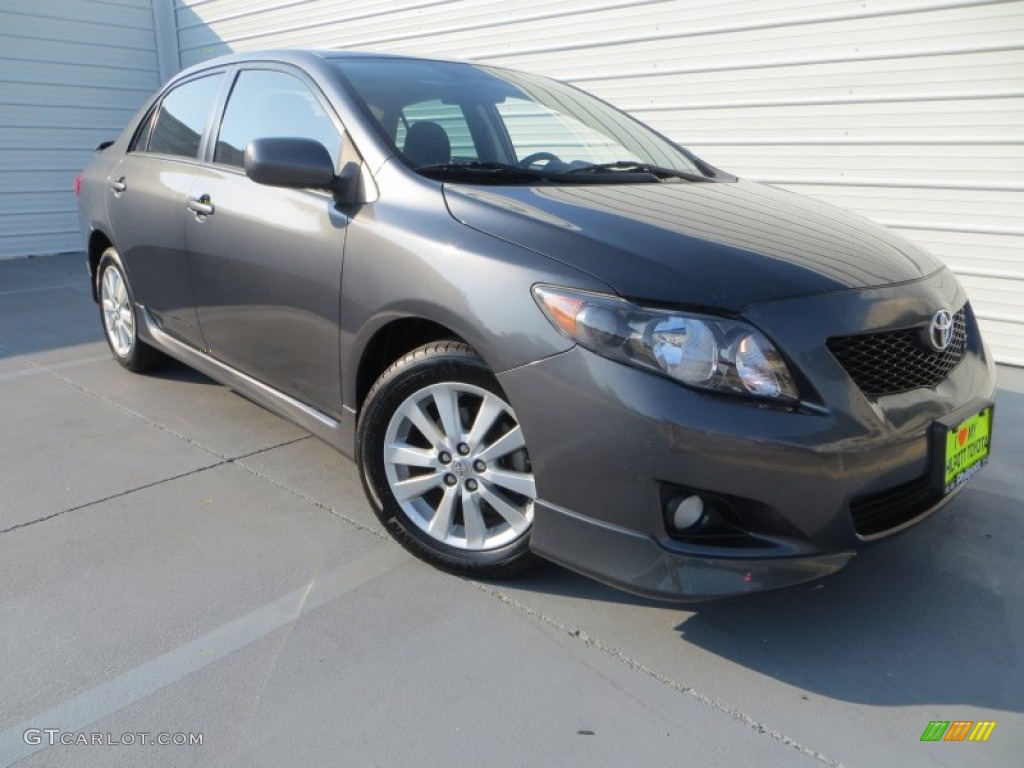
(135, 355)
(455, 367)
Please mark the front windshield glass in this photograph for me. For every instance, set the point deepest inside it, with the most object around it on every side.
(447, 117)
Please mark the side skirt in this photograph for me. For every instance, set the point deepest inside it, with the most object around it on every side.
(338, 434)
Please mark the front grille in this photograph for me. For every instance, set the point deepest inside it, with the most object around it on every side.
(897, 361)
(876, 513)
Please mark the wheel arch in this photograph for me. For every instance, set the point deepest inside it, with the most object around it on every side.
(389, 343)
(98, 243)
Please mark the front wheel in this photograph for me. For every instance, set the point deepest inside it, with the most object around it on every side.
(444, 462)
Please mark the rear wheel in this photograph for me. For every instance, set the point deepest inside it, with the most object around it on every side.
(444, 462)
(117, 311)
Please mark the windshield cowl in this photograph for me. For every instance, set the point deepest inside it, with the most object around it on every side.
(620, 172)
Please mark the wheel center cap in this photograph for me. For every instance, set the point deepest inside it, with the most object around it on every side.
(459, 468)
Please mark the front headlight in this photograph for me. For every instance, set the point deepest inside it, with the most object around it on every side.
(699, 350)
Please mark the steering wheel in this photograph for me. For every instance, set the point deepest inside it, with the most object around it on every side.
(538, 157)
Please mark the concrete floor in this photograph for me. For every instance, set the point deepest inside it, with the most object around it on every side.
(173, 559)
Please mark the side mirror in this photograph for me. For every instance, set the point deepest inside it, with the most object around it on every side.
(294, 163)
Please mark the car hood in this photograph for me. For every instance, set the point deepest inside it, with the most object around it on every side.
(721, 245)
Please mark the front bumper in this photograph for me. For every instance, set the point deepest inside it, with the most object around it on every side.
(608, 442)
(640, 564)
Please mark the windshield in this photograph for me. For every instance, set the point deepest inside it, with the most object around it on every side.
(449, 118)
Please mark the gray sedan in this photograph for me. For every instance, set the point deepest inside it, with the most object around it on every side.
(540, 327)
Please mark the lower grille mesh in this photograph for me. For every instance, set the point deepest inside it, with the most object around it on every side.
(876, 513)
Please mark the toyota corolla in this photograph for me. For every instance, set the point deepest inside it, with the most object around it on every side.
(541, 328)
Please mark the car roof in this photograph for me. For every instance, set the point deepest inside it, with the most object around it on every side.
(303, 56)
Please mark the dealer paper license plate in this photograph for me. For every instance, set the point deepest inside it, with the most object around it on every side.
(967, 448)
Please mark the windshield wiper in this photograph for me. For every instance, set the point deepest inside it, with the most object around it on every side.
(503, 172)
(635, 166)
(477, 169)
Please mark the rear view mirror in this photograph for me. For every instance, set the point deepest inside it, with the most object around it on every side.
(289, 163)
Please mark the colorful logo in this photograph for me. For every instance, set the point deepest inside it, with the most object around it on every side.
(958, 730)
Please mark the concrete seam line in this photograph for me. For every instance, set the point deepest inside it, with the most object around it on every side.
(149, 677)
(88, 504)
(197, 444)
(317, 503)
(56, 366)
(123, 408)
(54, 287)
(592, 642)
(161, 481)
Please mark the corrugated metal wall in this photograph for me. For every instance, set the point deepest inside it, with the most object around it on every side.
(908, 111)
(72, 72)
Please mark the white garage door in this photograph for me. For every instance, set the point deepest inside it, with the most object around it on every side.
(910, 112)
(71, 75)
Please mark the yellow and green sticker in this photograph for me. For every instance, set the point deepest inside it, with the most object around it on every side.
(967, 447)
(958, 730)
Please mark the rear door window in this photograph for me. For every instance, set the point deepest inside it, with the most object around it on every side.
(179, 125)
(265, 104)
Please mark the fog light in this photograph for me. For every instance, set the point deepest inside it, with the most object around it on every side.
(685, 511)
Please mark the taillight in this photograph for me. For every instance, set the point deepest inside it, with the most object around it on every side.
(78, 185)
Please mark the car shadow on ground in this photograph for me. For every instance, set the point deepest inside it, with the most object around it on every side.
(930, 617)
(172, 370)
(905, 624)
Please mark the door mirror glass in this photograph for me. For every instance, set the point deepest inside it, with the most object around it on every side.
(289, 163)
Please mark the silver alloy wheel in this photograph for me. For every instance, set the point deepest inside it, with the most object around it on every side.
(118, 318)
(456, 461)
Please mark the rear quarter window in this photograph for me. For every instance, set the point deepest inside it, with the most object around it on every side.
(143, 131)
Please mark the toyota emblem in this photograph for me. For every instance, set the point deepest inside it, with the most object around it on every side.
(940, 334)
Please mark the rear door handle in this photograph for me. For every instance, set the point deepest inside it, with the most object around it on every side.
(201, 205)
(118, 186)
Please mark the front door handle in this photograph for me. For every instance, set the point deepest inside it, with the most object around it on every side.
(201, 205)
(118, 186)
